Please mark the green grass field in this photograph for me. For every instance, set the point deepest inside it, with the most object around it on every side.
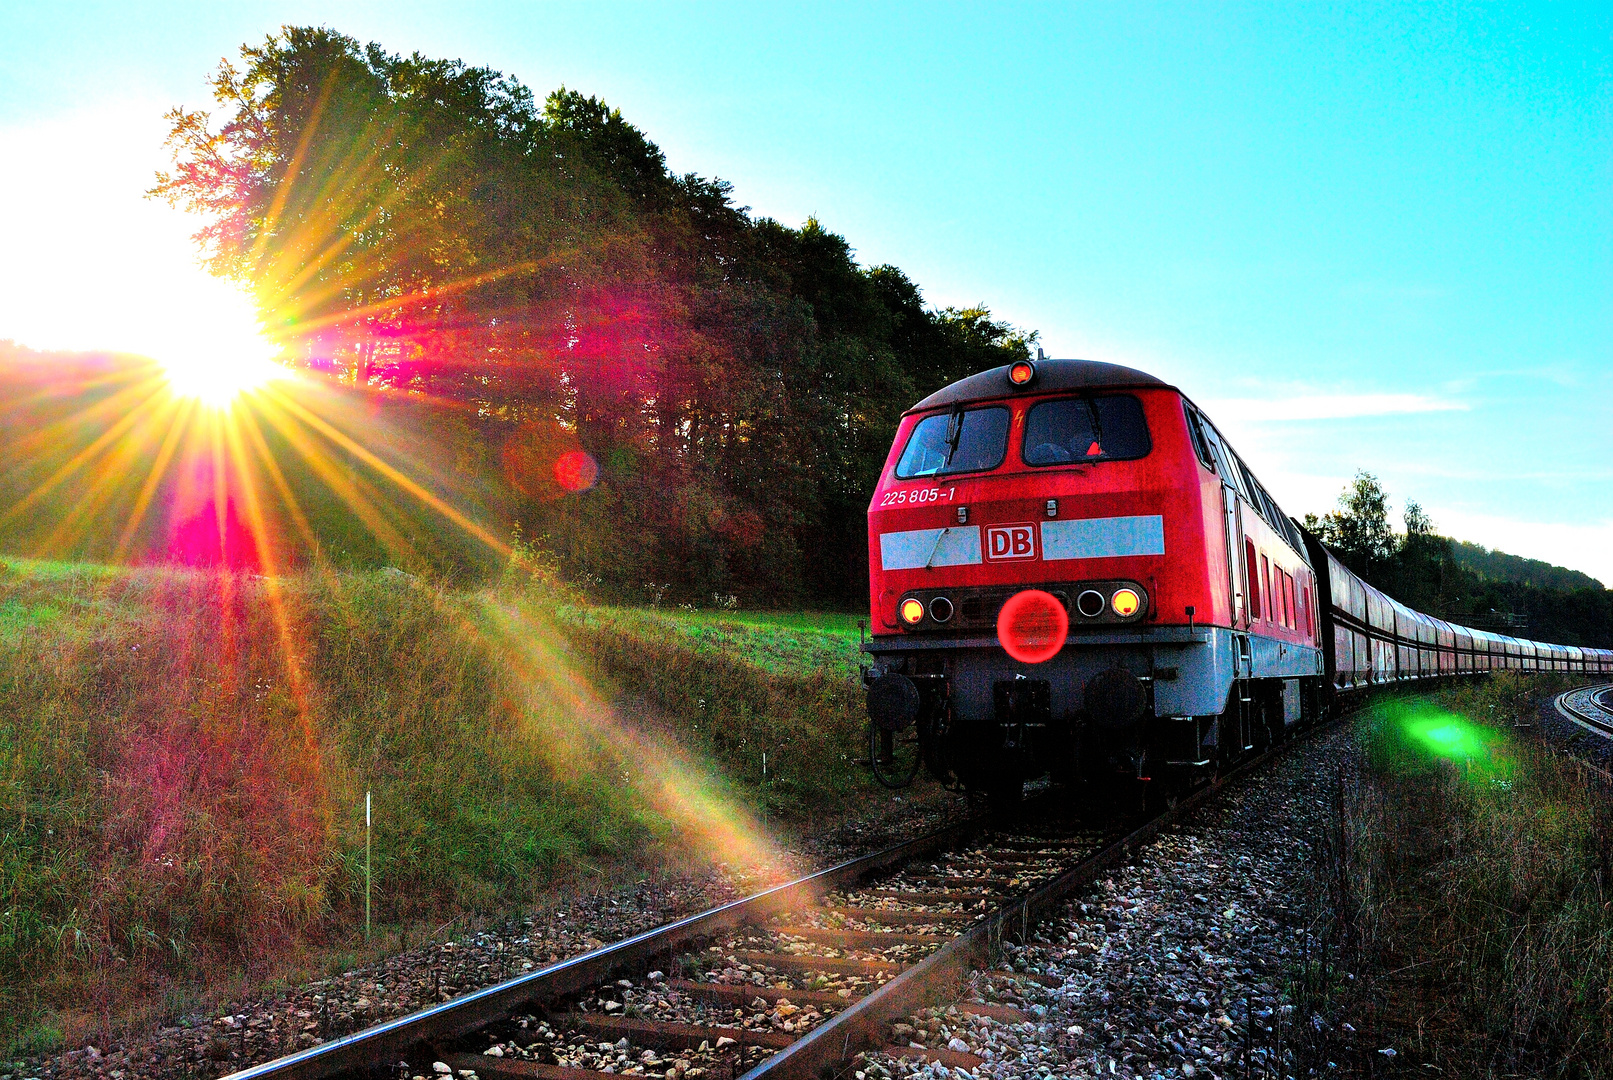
(782, 642)
(184, 758)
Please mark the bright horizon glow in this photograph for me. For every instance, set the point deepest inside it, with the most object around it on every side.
(93, 265)
(215, 381)
(108, 269)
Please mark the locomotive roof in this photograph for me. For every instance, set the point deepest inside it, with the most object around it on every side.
(1050, 375)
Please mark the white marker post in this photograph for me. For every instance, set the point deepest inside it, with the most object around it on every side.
(366, 866)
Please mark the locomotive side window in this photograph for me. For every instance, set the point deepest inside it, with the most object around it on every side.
(1224, 458)
(1253, 574)
(1251, 489)
(955, 442)
(1292, 532)
(1286, 526)
(1265, 589)
(1068, 430)
(1268, 510)
(1195, 427)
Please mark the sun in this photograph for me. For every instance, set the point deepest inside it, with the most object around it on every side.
(217, 352)
(217, 379)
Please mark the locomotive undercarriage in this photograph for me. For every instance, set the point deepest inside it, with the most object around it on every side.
(1098, 715)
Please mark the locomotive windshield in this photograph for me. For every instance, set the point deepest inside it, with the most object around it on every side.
(1086, 429)
(955, 442)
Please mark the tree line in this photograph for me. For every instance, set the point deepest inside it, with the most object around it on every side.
(1421, 568)
(420, 228)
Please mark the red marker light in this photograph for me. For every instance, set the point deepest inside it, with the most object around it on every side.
(1021, 372)
(1032, 626)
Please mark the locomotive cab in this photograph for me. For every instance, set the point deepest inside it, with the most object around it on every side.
(1100, 487)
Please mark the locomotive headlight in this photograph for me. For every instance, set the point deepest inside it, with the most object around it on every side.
(1021, 372)
(1090, 603)
(912, 611)
(1125, 602)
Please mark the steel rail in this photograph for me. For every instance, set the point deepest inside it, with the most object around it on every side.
(857, 1028)
(464, 1014)
(1589, 706)
(827, 1049)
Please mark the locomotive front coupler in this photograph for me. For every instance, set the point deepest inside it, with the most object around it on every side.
(1022, 709)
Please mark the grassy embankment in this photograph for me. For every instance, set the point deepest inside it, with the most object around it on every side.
(1473, 888)
(184, 757)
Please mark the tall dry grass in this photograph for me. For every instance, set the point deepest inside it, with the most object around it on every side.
(184, 757)
(741, 691)
(1473, 889)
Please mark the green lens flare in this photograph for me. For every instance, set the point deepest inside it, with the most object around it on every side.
(1450, 736)
(1421, 732)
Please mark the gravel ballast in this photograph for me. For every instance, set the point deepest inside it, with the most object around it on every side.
(1156, 971)
(243, 1033)
(1590, 745)
(1173, 965)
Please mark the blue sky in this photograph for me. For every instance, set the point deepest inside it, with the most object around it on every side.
(1363, 236)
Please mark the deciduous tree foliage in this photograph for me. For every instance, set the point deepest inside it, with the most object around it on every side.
(425, 227)
(1421, 568)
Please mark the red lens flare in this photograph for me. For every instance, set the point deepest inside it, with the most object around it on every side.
(576, 471)
(1032, 626)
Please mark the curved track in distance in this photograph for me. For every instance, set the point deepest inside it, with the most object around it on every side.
(1591, 707)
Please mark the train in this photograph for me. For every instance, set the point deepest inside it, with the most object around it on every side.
(1072, 572)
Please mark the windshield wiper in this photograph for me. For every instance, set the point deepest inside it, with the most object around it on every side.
(1097, 424)
(954, 434)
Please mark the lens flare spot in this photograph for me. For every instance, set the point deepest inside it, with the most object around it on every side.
(1449, 736)
(1032, 626)
(576, 471)
(1412, 736)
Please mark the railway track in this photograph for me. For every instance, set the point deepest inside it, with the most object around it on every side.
(795, 981)
(1590, 706)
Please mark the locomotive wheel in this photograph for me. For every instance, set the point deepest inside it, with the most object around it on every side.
(895, 755)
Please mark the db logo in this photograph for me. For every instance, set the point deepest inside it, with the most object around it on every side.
(1004, 542)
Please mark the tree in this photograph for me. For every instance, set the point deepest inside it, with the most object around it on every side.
(1418, 523)
(1420, 568)
(423, 227)
(1358, 530)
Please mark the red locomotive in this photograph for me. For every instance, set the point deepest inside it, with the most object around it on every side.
(1071, 571)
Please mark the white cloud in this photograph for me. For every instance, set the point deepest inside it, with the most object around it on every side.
(1302, 407)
